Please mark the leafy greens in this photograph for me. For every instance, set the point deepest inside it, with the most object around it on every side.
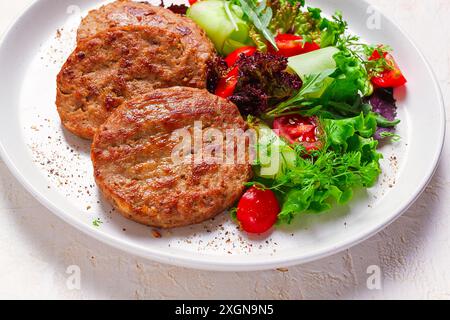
(260, 15)
(348, 160)
(289, 17)
(263, 82)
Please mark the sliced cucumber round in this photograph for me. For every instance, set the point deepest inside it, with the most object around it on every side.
(222, 24)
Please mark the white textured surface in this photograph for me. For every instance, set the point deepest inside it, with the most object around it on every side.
(36, 247)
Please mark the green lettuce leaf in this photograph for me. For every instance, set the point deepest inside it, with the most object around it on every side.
(351, 79)
(290, 17)
(332, 30)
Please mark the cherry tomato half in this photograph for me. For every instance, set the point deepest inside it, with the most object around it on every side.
(390, 78)
(226, 86)
(290, 45)
(191, 2)
(258, 210)
(233, 57)
(298, 129)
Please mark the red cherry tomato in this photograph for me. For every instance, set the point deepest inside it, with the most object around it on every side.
(376, 55)
(233, 57)
(390, 78)
(258, 210)
(226, 86)
(298, 129)
(191, 2)
(290, 45)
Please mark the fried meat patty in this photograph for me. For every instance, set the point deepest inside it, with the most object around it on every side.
(132, 154)
(124, 13)
(122, 63)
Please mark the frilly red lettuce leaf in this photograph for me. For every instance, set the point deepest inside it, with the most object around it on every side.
(384, 104)
(263, 82)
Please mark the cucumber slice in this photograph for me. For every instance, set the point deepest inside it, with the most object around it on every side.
(313, 62)
(274, 155)
(212, 17)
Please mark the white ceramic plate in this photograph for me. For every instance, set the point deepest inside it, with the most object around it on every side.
(55, 166)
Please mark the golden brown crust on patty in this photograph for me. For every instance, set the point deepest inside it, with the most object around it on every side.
(122, 63)
(134, 168)
(126, 13)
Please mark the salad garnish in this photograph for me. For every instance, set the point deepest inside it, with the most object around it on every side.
(256, 82)
(260, 15)
(319, 98)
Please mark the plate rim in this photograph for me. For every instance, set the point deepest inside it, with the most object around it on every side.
(192, 263)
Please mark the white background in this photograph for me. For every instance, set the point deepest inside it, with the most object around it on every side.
(36, 248)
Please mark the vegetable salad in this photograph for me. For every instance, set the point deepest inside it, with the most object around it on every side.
(319, 98)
